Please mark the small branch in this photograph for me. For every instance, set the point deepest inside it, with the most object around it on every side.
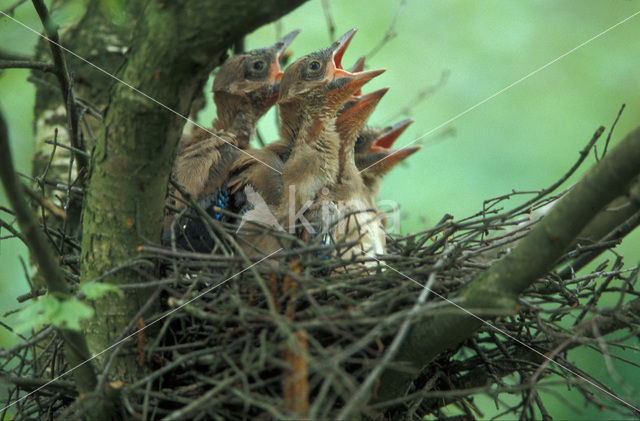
(616, 235)
(29, 384)
(62, 74)
(27, 64)
(390, 34)
(331, 24)
(9, 10)
(47, 204)
(613, 126)
(498, 287)
(615, 213)
(31, 295)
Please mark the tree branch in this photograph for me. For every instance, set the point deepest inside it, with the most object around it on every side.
(497, 289)
(62, 74)
(481, 377)
(27, 64)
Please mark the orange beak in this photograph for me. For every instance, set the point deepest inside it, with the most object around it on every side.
(358, 67)
(275, 75)
(381, 161)
(358, 109)
(280, 47)
(343, 80)
(389, 136)
(351, 120)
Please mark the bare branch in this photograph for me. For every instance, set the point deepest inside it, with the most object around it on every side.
(498, 287)
(62, 74)
(26, 64)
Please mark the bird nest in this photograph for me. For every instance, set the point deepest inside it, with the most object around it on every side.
(308, 331)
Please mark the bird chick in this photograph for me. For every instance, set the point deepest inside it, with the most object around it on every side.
(244, 88)
(312, 90)
(359, 221)
(374, 156)
(251, 171)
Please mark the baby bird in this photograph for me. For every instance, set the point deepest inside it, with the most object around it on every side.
(312, 91)
(358, 219)
(374, 156)
(249, 170)
(245, 87)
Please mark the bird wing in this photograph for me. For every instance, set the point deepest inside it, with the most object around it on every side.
(204, 163)
(202, 166)
(251, 170)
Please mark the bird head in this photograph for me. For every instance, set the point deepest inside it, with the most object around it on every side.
(318, 79)
(381, 136)
(374, 154)
(253, 76)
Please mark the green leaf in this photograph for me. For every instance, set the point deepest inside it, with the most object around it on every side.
(32, 316)
(70, 313)
(95, 290)
(65, 314)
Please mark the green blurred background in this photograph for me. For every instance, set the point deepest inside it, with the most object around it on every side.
(523, 139)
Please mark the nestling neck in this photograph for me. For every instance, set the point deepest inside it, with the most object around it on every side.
(236, 115)
(313, 163)
(303, 123)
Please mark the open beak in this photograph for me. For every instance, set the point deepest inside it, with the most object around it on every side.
(383, 160)
(340, 46)
(350, 122)
(280, 47)
(358, 67)
(348, 81)
(360, 108)
(390, 135)
(276, 72)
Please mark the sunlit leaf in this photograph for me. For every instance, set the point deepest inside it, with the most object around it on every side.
(65, 314)
(95, 290)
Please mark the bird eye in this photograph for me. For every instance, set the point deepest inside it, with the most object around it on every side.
(258, 65)
(314, 65)
(359, 139)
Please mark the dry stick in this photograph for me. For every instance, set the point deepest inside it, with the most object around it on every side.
(9, 10)
(62, 74)
(31, 383)
(45, 203)
(616, 235)
(498, 287)
(27, 64)
(390, 34)
(331, 25)
(613, 126)
(75, 344)
(606, 325)
(357, 398)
